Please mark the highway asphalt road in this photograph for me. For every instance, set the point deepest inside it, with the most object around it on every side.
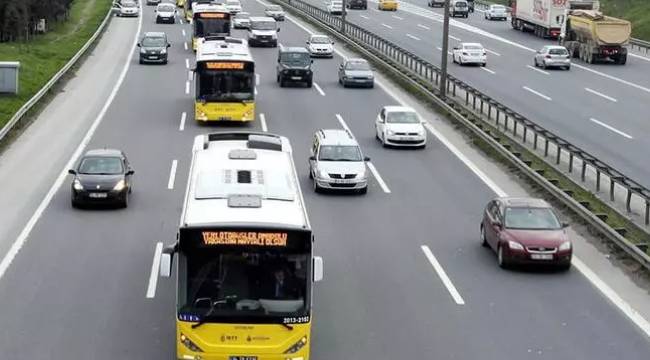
(77, 289)
(601, 108)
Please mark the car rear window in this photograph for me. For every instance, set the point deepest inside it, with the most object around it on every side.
(558, 52)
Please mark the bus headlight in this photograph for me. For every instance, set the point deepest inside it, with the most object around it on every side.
(189, 344)
(297, 346)
(248, 115)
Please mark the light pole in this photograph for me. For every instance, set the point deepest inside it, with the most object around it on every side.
(445, 47)
(343, 13)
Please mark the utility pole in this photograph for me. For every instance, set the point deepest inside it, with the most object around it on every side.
(445, 47)
(343, 14)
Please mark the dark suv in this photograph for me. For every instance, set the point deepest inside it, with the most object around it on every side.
(357, 4)
(294, 65)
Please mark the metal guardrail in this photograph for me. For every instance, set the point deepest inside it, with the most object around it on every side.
(426, 76)
(641, 46)
(20, 114)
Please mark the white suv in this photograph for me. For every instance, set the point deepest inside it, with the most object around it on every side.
(337, 163)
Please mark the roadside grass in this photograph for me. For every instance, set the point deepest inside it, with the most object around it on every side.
(44, 56)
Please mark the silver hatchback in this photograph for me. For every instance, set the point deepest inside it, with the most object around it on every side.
(553, 56)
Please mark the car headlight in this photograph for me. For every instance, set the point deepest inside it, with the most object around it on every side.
(297, 346)
(322, 174)
(189, 344)
(515, 245)
(119, 186)
(390, 132)
(76, 184)
(163, 51)
(143, 51)
(565, 246)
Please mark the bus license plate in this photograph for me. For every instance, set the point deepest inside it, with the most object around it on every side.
(242, 358)
(541, 256)
(97, 195)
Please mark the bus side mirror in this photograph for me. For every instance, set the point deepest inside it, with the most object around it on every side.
(318, 268)
(278, 30)
(166, 259)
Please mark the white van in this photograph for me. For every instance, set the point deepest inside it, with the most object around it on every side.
(334, 7)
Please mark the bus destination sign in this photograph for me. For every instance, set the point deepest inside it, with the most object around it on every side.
(213, 65)
(245, 238)
(209, 15)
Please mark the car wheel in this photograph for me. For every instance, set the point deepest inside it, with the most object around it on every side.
(567, 68)
(317, 188)
(363, 191)
(484, 64)
(309, 83)
(372, 85)
(535, 62)
(565, 266)
(501, 258)
(483, 239)
(311, 176)
(74, 204)
(544, 65)
(282, 84)
(383, 140)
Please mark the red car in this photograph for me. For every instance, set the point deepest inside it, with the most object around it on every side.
(525, 231)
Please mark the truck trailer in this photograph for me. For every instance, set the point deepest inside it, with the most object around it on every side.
(544, 18)
(592, 36)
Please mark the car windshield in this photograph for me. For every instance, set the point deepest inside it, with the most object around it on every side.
(531, 219)
(263, 25)
(236, 286)
(498, 8)
(339, 153)
(226, 85)
(320, 40)
(153, 41)
(242, 16)
(357, 65)
(166, 8)
(101, 165)
(460, 4)
(473, 47)
(128, 5)
(295, 58)
(402, 117)
(558, 51)
(274, 8)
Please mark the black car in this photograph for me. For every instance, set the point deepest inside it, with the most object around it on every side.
(102, 176)
(294, 65)
(357, 4)
(153, 48)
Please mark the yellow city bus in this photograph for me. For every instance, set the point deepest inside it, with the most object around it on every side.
(245, 266)
(209, 20)
(225, 81)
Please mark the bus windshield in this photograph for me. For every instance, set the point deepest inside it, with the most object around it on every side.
(206, 27)
(233, 286)
(226, 85)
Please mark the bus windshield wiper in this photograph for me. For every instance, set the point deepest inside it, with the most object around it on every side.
(287, 326)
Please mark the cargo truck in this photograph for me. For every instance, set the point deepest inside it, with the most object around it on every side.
(592, 36)
(544, 18)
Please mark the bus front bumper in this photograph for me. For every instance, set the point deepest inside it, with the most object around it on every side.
(203, 356)
(224, 111)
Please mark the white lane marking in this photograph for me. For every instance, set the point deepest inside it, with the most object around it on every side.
(440, 49)
(29, 226)
(639, 56)
(181, 127)
(637, 86)
(257, 79)
(255, 90)
(172, 175)
(397, 17)
(263, 122)
(190, 75)
(378, 177)
(181, 20)
(453, 37)
(537, 93)
(386, 26)
(424, 27)
(610, 128)
(493, 52)
(413, 37)
(538, 70)
(488, 70)
(365, 17)
(613, 297)
(319, 89)
(187, 87)
(153, 276)
(183, 31)
(342, 122)
(443, 275)
(601, 95)
(187, 63)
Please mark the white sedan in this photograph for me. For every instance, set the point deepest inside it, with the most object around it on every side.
(320, 46)
(469, 53)
(400, 126)
(498, 12)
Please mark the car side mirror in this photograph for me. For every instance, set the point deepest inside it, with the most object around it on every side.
(166, 261)
(341, 66)
(565, 225)
(130, 172)
(317, 268)
(366, 159)
(278, 30)
(72, 172)
(139, 45)
(498, 224)
(332, 42)
(312, 158)
(312, 61)
(169, 45)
